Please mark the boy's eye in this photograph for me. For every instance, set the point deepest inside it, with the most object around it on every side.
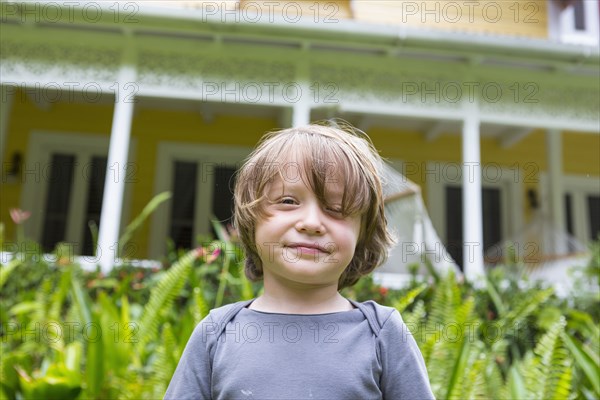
(335, 210)
(287, 200)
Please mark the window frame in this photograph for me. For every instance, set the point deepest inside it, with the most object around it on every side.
(204, 154)
(42, 144)
(562, 23)
(579, 187)
(511, 190)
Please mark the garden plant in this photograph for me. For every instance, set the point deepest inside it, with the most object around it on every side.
(74, 334)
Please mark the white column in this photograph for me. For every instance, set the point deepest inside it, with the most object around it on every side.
(114, 186)
(554, 161)
(473, 265)
(301, 113)
(7, 93)
(301, 108)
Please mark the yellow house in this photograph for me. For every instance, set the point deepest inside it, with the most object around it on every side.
(485, 104)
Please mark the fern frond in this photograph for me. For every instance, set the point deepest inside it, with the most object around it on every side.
(474, 382)
(559, 386)
(547, 370)
(512, 319)
(163, 366)
(7, 269)
(447, 347)
(495, 386)
(409, 297)
(162, 297)
(60, 294)
(414, 318)
(200, 307)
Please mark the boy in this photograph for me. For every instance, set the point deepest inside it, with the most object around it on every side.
(310, 214)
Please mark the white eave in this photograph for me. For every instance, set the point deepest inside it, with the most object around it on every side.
(345, 35)
(361, 35)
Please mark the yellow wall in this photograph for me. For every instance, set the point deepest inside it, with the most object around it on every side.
(527, 18)
(290, 10)
(149, 127)
(154, 125)
(514, 18)
(523, 161)
(26, 117)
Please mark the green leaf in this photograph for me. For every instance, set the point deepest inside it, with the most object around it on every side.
(222, 234)
(162, 297)
(409, 297)
(459, 367)
(5, 270)
(25, 307)
(81, 301)
(139, 220)
(585, 360)
(495, 296)
(516, 384)
(94, 368)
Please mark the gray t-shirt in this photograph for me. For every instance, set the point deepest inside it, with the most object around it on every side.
(239, 353)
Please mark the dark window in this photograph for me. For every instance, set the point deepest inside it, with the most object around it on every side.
(569, 213)
(594, 213)
(579, 11)
(96, 174)
(57, 200)
(223, 194)
(492, 221)
(569, 219)
(183, 204)
(454, 223)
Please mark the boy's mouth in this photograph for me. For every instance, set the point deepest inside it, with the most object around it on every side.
(308, 247)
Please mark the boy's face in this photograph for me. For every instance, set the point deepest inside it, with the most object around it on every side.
(304, 242)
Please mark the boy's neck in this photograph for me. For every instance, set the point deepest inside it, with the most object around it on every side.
(300, 300)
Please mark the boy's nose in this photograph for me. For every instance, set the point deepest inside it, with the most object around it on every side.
(311, 221)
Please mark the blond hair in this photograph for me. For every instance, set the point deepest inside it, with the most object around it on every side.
(319, 151)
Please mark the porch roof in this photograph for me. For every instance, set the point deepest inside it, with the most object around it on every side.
(343, 36)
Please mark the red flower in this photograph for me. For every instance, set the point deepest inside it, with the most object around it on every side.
(383, 291)
(19, 216)
(213, 256)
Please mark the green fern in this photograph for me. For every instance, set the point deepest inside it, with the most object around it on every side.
(495, 386)
(163, 366)
(200, 306)
(409, 297)
(447, 343)
(511, 321)
(60, 294)
(7, 269)
(473, 379)
(547, 370)
(162, 297)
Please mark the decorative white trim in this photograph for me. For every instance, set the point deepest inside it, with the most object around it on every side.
(206, 155)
